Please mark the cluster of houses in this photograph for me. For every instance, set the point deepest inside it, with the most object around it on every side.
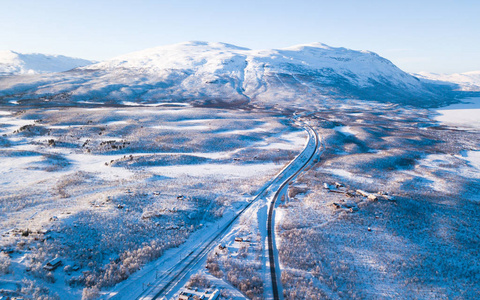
(340, 188)
(352, 205)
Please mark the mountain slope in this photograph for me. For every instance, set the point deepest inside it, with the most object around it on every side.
(221, 74)
(469, 81)
(13, 63)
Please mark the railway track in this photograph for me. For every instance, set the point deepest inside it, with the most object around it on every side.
(169, 282)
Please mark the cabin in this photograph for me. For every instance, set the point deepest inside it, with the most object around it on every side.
(188, 294)
(362, 193)
(53, 264)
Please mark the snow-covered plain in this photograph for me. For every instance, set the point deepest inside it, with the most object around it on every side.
(465, 114)
(105, 188)
(417, 237)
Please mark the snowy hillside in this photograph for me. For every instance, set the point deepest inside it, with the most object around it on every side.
(12, 63)
(211, 73)
(469, 81)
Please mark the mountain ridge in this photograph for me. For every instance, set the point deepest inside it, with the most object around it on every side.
(16, 63)
(205, 73)
(467, 81)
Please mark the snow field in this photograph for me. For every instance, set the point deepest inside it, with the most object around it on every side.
(338, 245)
(462, 115)
(87, 173)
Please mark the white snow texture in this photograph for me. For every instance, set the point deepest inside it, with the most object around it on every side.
(13, 63)
(219, 72)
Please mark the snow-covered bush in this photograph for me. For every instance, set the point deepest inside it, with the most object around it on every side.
(5, 263)
(243, 271)
(35, 290)
(90, 293)
(198, 281)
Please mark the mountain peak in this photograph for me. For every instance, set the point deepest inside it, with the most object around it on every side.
(7, 55)
(317, 45)
(15, 63)
(213, 71)
(213, 45)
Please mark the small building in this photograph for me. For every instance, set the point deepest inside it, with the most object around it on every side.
(53, 264)
(188, 294)
(363, 193)
(239, 239)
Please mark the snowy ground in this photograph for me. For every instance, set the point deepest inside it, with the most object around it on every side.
(422, 245)
(109, 189)
(463, 115)
(115, 191)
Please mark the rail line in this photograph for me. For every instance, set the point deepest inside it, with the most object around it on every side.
(175, 275)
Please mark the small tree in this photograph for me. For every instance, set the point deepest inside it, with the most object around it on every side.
(4, 263)
(90, 293)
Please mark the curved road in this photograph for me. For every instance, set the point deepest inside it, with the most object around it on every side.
(175, 277)
(305, 158)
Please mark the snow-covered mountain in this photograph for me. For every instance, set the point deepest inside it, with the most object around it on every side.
(13, 63)
(211, 73)
(469, 81)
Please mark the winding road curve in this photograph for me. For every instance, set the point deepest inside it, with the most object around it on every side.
(305, 158)
(175, 277)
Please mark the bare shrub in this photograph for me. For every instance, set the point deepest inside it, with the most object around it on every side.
(90, 293)
(37, 291)
(245, 277)
(214, 268)
(4, 263)
(198, 280)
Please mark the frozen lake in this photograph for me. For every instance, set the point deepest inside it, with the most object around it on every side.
(465, 114)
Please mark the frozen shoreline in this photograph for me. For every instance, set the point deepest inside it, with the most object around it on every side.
(464, 115)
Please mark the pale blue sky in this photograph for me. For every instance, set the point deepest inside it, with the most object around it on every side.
(421, 35)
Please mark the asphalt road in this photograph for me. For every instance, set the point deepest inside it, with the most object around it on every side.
(305, 158)
(175, 278)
